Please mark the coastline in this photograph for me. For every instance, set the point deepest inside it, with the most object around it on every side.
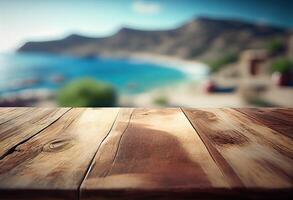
(189, 67)
(194, 71)
(187, 92)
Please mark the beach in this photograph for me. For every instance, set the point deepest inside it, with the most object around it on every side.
(187, 93)
(190, 67)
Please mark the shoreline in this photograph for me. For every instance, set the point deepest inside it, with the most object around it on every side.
(186, 92)
(195, 72)
(188, 67)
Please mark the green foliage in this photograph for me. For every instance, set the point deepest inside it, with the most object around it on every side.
(86, 93)
(216, 65)
(275, 47)
(261, 103)
(162, 101)
(282, 65)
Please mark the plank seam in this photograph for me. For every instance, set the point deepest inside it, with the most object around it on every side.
(233, 179)
(118, 147)
(251, 117)
(12, 149)
(278, 147)
(93, 159)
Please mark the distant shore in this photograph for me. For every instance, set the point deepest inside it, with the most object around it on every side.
(187, 92)
(189, 67)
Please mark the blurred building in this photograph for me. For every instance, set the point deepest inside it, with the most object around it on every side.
(253, 63)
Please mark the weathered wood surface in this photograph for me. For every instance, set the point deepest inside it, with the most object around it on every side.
(257, 155)
(158, 150)
(279, 119)
(25, 124)
(127, 153)
(58, 157)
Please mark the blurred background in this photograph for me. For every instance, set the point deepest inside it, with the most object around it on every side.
(146, 53)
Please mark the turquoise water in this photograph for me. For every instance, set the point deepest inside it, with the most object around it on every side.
(39, 71)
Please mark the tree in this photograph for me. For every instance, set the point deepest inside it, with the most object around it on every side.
(276, 47)
(282, 65)
(87, 93)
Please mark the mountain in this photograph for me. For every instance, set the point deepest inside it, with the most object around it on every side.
(201, 38)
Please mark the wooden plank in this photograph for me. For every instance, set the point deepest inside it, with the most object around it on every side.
(150, 153)
(30, 122)
(54, 162)
(279, 119)
(258, 155)
(7, 114)
(4, 110)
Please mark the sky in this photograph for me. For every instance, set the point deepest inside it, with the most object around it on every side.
(36, 20)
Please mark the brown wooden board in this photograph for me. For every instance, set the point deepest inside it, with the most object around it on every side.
(259, 156)
(279, 119)
(127, 153)
(53, 163)
(25, 124)
(151, 153)
(7, 114)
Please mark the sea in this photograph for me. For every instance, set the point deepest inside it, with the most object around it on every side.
(31, 71)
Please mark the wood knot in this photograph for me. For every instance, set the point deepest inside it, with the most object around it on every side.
(205, 115)
(229, 137)
(58, 145)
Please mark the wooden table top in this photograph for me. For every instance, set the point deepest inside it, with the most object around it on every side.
(126, 153)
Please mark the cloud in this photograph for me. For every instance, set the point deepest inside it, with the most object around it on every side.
(146, 7)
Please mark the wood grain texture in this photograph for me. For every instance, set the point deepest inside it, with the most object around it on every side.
(157, 151)
(24, 123)
(258, 155)
(7, 114)
(279, 119)
(53, 163)
(127, 153)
